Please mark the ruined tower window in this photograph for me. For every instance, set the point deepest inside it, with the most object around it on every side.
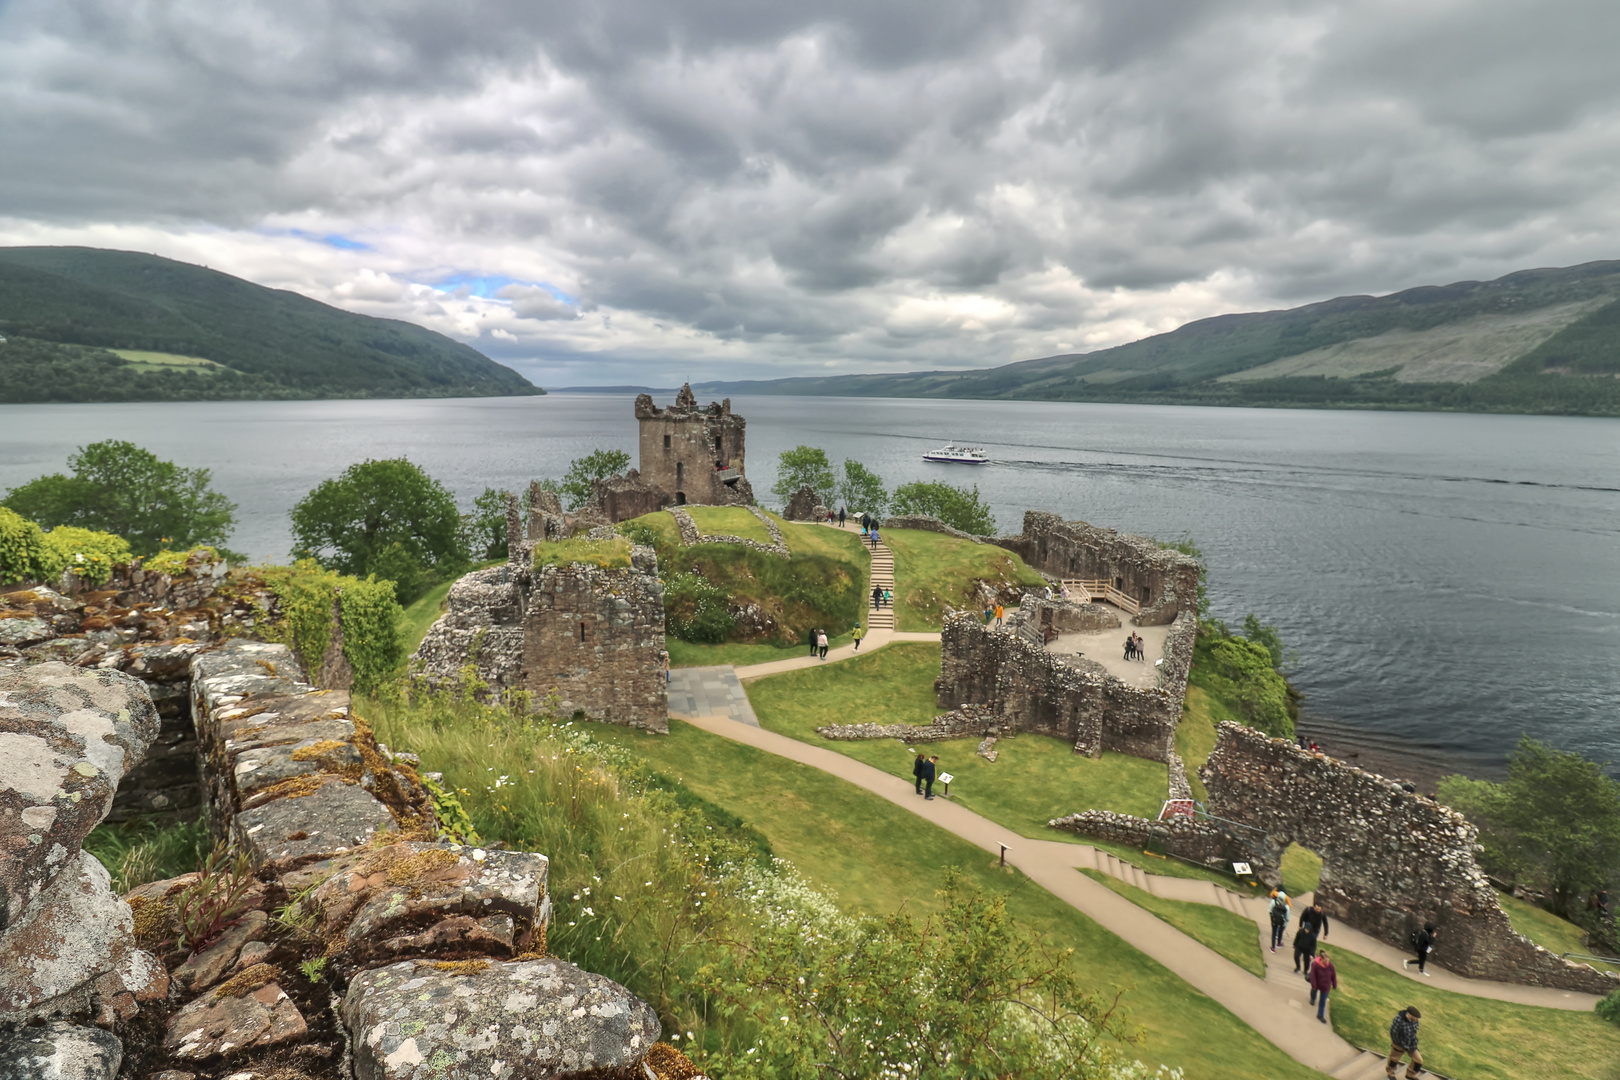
(582, 631)
(718, 445)
(1147, 594)
(666, 442)
(1119, 583)
(680, 473)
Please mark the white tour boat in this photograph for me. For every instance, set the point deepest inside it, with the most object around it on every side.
(960, 455)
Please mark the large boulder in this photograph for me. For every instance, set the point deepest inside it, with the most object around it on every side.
(528, 1020)
(59, 1051)
(803, 506)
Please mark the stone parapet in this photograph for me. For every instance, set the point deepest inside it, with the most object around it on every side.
(1185, 838)
(1392, 860)
(959, 723)
(925, 523)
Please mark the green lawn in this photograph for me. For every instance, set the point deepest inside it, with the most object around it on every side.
(691, 654)
(933, 571)
(143, 360)
(1228, 933)
(1301, 870)
(1195, 735)
(728, 521)
(807, 539)
(1541, 926)
(1033, 780)
(1469, 1037)
(874, 858)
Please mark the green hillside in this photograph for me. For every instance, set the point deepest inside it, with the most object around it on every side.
(68, 313)
(1533, 341)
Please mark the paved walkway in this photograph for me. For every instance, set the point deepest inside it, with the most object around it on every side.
(709, 691)
(1276, 1007)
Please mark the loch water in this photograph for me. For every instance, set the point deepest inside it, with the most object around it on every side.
(1448, 581)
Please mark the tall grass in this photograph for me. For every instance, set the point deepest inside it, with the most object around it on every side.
(144, 851)
(635, 858)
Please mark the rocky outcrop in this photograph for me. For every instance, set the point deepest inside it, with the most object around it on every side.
(67, 946)
(530, 1020)
(804, 505)
(60, 1051)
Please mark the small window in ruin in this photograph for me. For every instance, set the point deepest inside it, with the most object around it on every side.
(1147, 594)
(680, 471)
(1119, 583)
(582, 631)
(719, 445)
(680, 498)
(666, 442)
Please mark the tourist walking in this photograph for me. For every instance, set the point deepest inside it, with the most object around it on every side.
(918, 767)
(859, 632)
(1315, 920)
(877, 597)
(1323, 979)
(666, 669)
(888, 597)
(930, 771)
(1279, 917)
(1423, 945)
(821, 640)
(1403, 1040)
(840, 517)
(814, 641)
(874, 536)
(1304, 949)
(1000, 611)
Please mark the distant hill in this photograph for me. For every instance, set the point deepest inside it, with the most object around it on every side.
(85, 324)
(1533, 341)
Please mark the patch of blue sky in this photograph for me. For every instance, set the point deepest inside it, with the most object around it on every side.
(488, 286)
(336, 240)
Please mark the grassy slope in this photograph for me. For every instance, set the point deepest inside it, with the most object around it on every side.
(1228, 933)
(1546, 929)
(933, 571)
(1468, 1037)
(1034, 779)
(1195, 735)
(856, 847)
(131, 300)
(729, 521)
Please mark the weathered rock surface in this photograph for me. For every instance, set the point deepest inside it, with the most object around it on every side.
(528, 1020)
(336, 818)
(59, 1051)
(66, 738)
(204, 969)
(75, 931)
(802, 506)
(219, 1023)
(426, 899)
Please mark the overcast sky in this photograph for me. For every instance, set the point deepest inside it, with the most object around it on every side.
(647, 190)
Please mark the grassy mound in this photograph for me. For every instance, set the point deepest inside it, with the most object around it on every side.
(933, 572)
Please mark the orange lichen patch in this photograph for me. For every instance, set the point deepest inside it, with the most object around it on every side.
(456, 967)
(155, 920)
(537, 945)
(268, 666)
(254, 978)
(296, 787)
(414, 867)
(248, 733)
(668, 1063)
(316, 751)
(22, 596)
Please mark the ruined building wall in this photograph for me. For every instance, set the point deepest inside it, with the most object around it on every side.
(480, 633)
(596, 637)
(1165, 582)
(1391, 860)
(681, 445)
(1029, 689)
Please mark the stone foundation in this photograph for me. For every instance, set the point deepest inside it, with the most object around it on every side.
(1163, 581)
(1391, 859)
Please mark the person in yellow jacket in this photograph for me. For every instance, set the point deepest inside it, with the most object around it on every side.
(860, 632)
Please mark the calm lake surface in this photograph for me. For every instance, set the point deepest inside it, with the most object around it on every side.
(1448, 581)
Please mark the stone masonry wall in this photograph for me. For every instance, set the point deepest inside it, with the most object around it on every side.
(481, 631)
(596, 637)
(1391, 859)
(1198, 841)
(1032, 690)
(1165, 582)
(680, 447)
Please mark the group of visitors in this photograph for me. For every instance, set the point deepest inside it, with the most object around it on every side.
(994, 612)
(881, 596)
(1307, 744)
(926, 770)
(1135, 647)
(818, 643)
(1323, 979)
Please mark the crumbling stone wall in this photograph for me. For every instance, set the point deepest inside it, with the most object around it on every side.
(695, 454)
(927, 523)
(596, 638)
(1164, 582)
(1068, 616)
(1185, 838)
(1032, 690)
(1391, 859)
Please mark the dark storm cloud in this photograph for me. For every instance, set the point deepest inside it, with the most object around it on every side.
(909, 183)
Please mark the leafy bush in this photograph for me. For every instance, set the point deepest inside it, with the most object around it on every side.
(582, 472)
(85, 553)
(697, 610)
(1608, 1007)
(118, 488)
(861, 491)
(175, 563)
(483, 531)
(387, 518)
(958, 507)
(1240, 673)
(23, 556)
(804, 466)
(309, 594)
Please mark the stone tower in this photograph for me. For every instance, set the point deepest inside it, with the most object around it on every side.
(695, 455)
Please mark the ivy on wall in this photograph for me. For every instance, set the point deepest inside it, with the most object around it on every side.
(310, 596)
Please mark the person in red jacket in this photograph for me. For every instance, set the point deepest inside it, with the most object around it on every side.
(1323, 979)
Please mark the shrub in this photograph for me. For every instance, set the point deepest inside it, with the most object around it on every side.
(1608, 1007)
(175, 563)
(958, 507)
(85, 553)
(583, 472)
(697, 610)
(22, 549)
(371, 619)
(1239, 672)
(804, 466)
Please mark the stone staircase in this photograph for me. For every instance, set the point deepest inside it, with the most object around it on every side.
(882, 577)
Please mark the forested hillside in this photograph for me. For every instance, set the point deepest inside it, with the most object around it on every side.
(157, 329)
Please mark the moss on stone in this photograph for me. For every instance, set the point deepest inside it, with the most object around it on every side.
(254, 978)
(410, 869)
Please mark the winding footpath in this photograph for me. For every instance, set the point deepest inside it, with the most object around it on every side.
(1276, 1007)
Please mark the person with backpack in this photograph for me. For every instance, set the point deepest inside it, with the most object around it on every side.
(1423, 945)
(1279, 911)
(1323, 979)
(1403, 1040)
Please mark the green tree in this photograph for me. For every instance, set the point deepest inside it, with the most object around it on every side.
(862, 491)
(483, 531)
(116, 487)
(958, 507)
(1555, 819)
(387, 518)
(966, 996)
(1239, 672)
(805, 466)
(582, 472)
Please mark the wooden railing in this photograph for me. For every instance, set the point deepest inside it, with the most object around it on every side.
(1095, 588)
